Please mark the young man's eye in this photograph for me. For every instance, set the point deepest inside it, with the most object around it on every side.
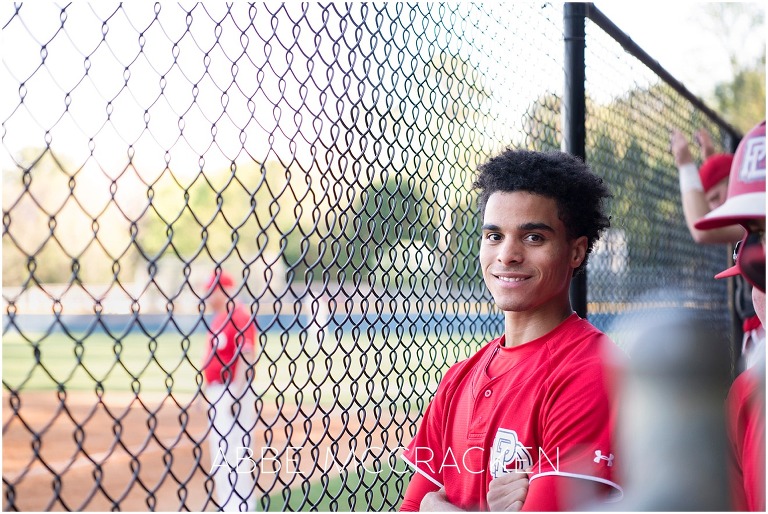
(492, 236)
(534, 238)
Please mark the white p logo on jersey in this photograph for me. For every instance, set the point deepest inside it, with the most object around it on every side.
(507, 449)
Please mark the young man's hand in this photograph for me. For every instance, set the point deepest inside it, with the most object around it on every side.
(680, 151)
(705, 143)
(507, 493)
(437, 501)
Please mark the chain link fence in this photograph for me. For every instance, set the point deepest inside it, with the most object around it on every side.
(323, 155)
(648, 252)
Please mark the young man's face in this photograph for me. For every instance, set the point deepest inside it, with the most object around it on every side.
(758, 297)
(526, 259)
(758, 301)
(717, 194)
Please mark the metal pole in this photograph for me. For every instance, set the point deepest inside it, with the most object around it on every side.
(672, 410)
(574, 115)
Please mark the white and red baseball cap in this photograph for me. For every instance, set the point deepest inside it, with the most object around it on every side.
(746, 185)
(745, 202)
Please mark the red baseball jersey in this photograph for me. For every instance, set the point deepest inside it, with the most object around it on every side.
(229, 335)
(543, 405)
(746, 424)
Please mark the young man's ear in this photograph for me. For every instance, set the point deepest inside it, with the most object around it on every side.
(578, 251)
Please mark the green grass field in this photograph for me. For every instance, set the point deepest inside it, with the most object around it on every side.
(337, 369)
(351, 492)
(134, 364)
(343, 372)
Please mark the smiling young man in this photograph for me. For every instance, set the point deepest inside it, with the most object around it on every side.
(525, 423)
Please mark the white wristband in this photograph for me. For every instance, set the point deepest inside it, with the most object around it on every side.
(689, 178)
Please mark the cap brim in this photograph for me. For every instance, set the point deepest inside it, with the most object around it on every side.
(735, 211)
(730, 272)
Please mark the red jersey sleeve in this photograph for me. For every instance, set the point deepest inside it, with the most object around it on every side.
(245, 328)
(746, 431)
(418, 487)
(425, 452)
(578, 419)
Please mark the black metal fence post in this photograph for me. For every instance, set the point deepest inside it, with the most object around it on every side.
(574, 115)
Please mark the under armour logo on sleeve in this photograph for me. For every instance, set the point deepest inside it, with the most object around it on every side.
(599, 456)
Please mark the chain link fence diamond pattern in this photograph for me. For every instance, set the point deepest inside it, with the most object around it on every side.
(323, 155)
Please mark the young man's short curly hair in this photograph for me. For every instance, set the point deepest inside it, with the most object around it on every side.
(580, 194)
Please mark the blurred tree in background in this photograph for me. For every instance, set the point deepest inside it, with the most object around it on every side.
(374, 202)
(738, 26)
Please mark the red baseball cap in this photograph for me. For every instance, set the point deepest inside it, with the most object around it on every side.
(746, 186)
(715, 169)
(221, 277)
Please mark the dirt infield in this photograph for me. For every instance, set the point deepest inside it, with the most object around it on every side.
(81, 452)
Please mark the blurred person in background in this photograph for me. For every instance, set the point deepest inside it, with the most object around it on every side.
(228, 359)
(703, 190)
(745, 206)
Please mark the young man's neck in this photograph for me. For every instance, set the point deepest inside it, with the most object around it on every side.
(524, 327)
